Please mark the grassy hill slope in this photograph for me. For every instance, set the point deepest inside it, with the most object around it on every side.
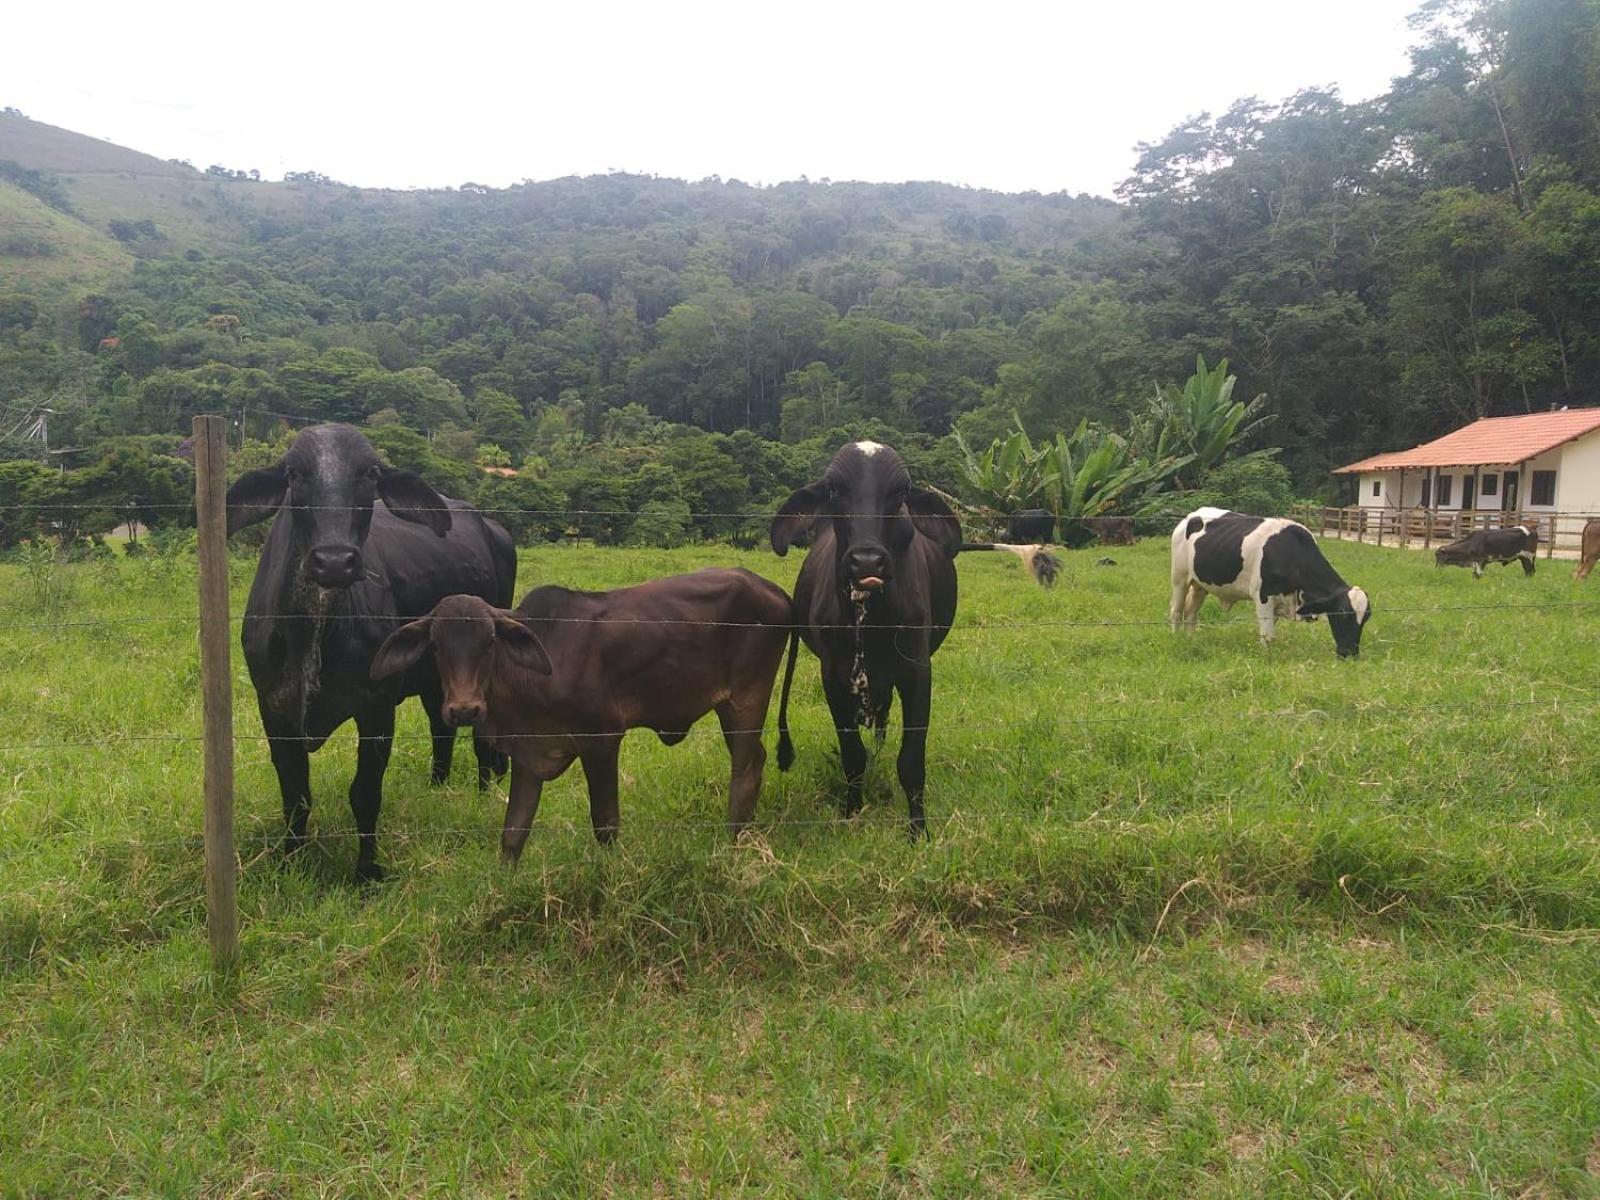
(48, 252)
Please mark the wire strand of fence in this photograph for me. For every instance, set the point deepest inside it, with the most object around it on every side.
(975, 625)
(116, 738)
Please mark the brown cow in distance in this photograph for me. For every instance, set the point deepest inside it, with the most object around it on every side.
(1591, 549)
(566, 674)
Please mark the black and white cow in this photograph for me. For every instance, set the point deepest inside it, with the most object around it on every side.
(1272, 562)
(1491, 545)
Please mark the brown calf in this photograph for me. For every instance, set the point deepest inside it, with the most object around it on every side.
(1591, 549)
(565, 674)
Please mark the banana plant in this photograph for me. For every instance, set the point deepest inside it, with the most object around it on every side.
(1196, 425)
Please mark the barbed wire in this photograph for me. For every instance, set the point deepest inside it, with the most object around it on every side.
(977, 625)
(116, 738)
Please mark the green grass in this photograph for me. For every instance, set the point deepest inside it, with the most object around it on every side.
(1197, 917)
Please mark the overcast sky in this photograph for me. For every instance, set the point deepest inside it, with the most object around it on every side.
(1048, 96)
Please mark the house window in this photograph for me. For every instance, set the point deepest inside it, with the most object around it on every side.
(1544, 488)
(1427, 491)
(1377, 488)
(1444, 490)
(1491, 485)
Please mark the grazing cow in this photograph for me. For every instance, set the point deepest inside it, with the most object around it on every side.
(1111, 531)
(567, 674)
(1078, 532)
(1491, 545)
(357, 548)
(1030, 526)
(874, 600)
(1272, 562)
(1591, 549)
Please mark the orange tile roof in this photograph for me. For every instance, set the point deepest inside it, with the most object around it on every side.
(1492, 440)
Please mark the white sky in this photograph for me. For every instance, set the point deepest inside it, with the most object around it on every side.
(995, 94)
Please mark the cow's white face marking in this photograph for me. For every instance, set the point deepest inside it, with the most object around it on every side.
(1359, 602)
(870, 448)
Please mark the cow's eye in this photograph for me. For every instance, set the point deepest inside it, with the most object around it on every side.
(373, 473)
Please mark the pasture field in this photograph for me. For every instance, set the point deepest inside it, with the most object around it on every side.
(1196, 918)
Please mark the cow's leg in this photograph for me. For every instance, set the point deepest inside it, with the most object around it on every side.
(600, 773)
(1191, 605)
(292, 762)
(1477, 570)
(376, 732)
(526, 788)
(492, 763)
(444, 736)
(1527, 563)
(842, 706)
(1180, 594)
(916, 705)
(1584, 568)
(1266, 620)
(741, 729)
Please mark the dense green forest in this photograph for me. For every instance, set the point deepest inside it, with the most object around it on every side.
(1381, 271)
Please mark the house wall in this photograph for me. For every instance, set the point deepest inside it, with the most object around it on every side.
(1578, 477)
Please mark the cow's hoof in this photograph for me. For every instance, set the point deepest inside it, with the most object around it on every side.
(292, 844)
(370, 872)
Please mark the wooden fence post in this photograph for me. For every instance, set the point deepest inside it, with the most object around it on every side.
(216, 687)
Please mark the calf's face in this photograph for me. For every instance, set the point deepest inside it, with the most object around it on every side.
(328, 480)
(866, 494)
(467, 636)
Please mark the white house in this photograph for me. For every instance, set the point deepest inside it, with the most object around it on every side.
(1545, 462)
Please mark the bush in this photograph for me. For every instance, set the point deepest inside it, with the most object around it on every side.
(1255, 485)
(530, 509)
(660, 523)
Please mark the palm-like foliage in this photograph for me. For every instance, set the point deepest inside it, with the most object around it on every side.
(1183, 434)
(1196, 425)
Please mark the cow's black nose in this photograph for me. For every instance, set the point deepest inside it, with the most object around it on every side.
(334, 566)
(867, 562)
(468, 713)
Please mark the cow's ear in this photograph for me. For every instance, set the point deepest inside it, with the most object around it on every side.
(411, 499)
(795, 515)
(932, 518)
(256, 495)
(401, 650)
(521, 644)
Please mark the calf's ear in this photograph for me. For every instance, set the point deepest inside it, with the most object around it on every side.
(411, 499)
(255, 496)
(521, 644)
(402, 648)
(795, 515)
(932, 518)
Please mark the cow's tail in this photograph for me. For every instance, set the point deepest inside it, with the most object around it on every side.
(1041, 563)
(785, 742)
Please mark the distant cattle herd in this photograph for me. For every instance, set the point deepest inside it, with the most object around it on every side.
(372, 587)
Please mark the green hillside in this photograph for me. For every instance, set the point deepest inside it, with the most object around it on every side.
(47, 252)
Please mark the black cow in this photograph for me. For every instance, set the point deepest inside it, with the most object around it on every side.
(1491, 545)
(1031, 526)
(874, 600)
(358, 549)
(1272, 562)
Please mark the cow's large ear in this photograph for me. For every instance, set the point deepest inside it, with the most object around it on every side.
(401, 650)
(521, 644)
(932, 518)
(795, 515)
(256, 495)
(411, 499)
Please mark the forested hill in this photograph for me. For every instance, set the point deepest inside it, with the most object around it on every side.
(1382, 271)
